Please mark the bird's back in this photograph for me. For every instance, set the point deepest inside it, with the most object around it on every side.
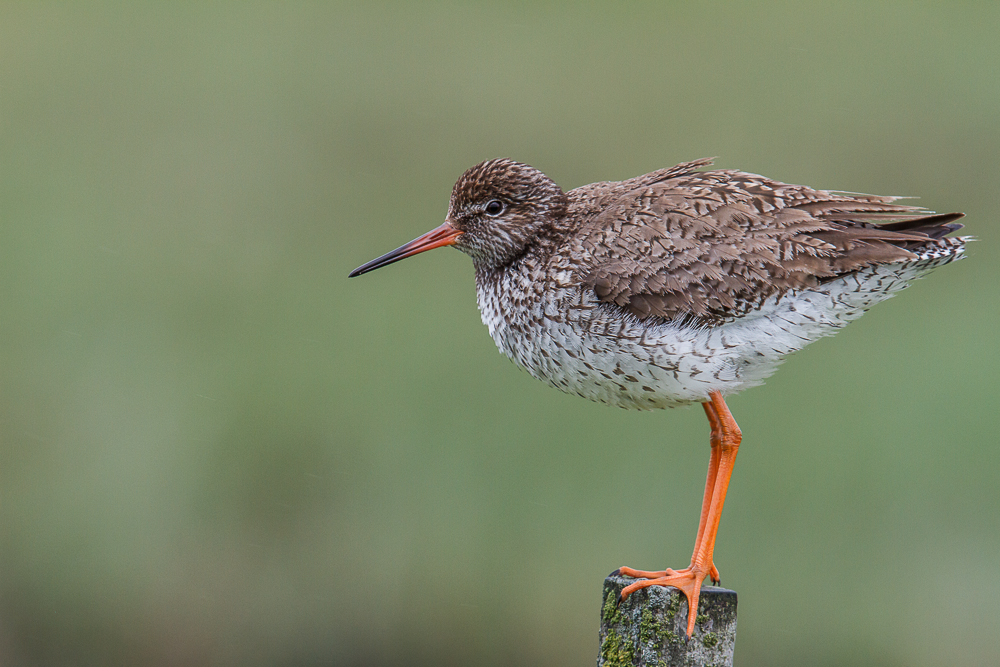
(715, 245)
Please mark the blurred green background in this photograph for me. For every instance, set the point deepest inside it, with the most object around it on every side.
(218, 450)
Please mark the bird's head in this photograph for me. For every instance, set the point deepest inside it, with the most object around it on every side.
(496, 209)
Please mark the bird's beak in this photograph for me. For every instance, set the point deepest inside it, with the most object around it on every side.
(437, 237)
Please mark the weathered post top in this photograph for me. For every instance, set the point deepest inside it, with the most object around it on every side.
(649, 627)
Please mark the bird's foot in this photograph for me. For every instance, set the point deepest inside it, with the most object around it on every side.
(713, 573)
(687, 580)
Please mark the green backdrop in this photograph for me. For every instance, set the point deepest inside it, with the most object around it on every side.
(218, 450)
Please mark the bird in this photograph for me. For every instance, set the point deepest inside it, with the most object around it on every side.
(681, 286)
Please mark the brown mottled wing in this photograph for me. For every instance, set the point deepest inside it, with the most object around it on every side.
(712, 246)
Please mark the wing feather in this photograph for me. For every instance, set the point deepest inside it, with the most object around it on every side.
(712, 246)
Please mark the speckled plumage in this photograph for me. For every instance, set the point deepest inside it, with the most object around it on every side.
(655, 291)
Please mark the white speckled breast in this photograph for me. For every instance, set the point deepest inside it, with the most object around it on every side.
(565, 337)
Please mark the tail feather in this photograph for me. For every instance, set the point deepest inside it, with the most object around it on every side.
(933, 226)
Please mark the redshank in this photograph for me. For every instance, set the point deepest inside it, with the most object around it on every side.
(677, 287)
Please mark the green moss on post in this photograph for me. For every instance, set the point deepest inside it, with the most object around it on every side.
(648, 628)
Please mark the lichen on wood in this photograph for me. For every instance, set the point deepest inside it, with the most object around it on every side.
(649, 627)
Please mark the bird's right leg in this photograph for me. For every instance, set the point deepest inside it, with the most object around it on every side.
(715, 439)
(725, 441)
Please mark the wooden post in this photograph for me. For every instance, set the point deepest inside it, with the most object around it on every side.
(649, 627)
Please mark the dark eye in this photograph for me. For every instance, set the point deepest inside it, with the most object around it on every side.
(494, 207)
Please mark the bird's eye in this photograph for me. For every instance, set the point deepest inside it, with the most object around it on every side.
(494, 207)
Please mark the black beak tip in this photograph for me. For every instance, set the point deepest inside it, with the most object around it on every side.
(369, 266)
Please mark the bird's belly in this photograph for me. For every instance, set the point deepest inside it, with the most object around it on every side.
(623, 368)
(569, 340)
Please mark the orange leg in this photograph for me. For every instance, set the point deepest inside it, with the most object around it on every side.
(715, 438)
(725, 440)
